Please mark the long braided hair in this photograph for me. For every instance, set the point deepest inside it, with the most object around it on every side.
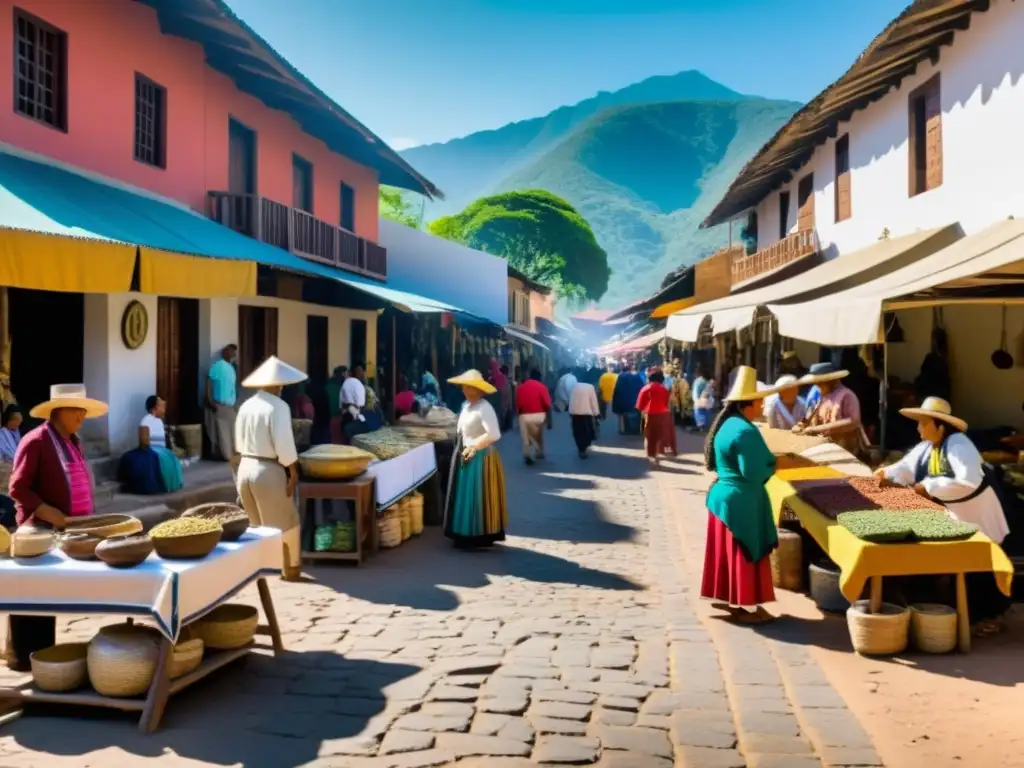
(731, 408)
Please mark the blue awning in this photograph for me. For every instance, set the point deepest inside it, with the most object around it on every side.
(39, 197)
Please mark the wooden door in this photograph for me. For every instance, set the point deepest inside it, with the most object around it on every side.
(316, 349)
(357, 343)
(177, 358)
(257, 337)
(302, 184)
(805, 203)
(241, 159)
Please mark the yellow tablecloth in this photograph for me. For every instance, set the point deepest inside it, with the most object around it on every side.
(860, 560)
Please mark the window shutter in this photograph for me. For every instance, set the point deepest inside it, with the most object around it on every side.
(933, 137)
(805, 199)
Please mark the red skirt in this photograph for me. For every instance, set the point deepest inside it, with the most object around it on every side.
(728, 575)
(659, 433)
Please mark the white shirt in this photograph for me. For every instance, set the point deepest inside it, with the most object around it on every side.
(583, 400)
(157, 430)
(353, 395)
(263, 429)
(563, 389)
(478, 425)
(780, 416)
(983, 511)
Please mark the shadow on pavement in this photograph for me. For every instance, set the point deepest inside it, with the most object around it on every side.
(265, 713)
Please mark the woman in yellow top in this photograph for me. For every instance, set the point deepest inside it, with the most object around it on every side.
(680, 402)
(606, 389)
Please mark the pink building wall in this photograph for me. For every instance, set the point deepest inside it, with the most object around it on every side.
(108, 42)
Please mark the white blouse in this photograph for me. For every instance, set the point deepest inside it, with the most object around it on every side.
(157, 431)
(983, 511)
(478, 425)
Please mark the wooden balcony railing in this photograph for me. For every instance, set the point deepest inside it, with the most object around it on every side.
(787, 250)
(301, 233)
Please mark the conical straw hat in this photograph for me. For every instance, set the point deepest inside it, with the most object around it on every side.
(273, 373)
(746, 386)
(473, 378)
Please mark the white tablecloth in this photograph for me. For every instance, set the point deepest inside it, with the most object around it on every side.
(171, 592)
(398, 476)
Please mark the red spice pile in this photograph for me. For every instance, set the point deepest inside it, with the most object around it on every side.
(856, 494)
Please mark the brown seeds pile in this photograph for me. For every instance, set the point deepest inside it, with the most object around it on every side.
(862, 493)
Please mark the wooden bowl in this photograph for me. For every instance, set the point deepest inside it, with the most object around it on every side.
(31, 542)
(233, 519)
(124, 551)
(79, 546)
(105, 526)
(190, 547)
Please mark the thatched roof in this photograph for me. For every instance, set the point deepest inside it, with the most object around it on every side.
(914, 36)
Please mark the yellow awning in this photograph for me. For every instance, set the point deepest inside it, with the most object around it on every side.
(45, 262)
(194, 277)
(666, 309)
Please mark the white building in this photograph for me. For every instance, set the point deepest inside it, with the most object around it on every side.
(921, 133)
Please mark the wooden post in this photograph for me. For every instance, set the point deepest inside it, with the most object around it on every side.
(875, 604)
(963, 616)
(394, 368)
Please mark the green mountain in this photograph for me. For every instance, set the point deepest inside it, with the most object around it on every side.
(644, 165)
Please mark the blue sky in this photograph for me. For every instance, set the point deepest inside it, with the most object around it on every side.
(420, 71)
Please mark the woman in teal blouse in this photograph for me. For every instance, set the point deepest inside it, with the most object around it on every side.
(741, 528)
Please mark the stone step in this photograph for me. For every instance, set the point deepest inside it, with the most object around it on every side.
(104, 468)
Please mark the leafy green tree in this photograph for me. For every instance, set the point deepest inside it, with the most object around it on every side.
(540, 234)
(394, 205)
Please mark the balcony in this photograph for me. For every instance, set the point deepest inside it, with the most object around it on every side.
(786, 251)
(299, 232)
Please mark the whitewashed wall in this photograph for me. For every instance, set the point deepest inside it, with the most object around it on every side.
(983, 150)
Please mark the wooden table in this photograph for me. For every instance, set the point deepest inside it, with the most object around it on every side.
(162, 687)
(360, 492)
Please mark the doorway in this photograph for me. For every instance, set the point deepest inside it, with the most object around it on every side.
(177, 359)
(257, 337)
(316, 349)
(357, 343)
(241, 159)
(47, 344)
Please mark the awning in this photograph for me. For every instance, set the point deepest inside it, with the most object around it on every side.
(634, 345)
(955, 273)
(737, 311)
(679, 289)
(106, 224)
(517, 334)
(671, 307)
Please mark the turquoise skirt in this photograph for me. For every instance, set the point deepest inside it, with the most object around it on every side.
(170, 469)
(476, 508)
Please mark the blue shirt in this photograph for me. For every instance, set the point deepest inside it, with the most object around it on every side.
(813, 396)
(223, 378)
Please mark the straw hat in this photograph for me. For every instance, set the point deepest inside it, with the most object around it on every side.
(789, 354)
(822, 372)
(935, 408)
(746, 386)
(473, 378)
(273, 373)
(70, 396)
(788, 381)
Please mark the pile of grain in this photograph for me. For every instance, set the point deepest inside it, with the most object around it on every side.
(855, 494)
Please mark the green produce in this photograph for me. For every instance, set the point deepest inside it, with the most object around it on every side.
(184, 526)
(884, 525)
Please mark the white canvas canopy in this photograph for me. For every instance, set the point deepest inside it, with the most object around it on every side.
(992, 257)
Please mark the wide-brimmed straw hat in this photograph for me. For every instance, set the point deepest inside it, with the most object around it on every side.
(473, 378)
(935, 408)
(787, 381)
(70, 396)
(822, 372)
(746, 387)
(273, 373)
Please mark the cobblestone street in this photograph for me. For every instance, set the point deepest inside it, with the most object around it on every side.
(580, 641)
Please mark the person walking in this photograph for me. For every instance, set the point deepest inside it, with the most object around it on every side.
(741, 529)
(268, 467)
(475, 507)
(703, 391)
(533, 404)
(563, 389)
(606, 389)
(659, 429)
(221, 396)
(584, 412)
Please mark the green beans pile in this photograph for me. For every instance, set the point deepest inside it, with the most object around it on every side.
(184, 526)
(884, 525)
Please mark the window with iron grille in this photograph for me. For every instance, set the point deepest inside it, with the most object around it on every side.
(150, 122)
(40, 71)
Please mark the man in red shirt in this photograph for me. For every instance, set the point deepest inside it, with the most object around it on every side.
(533, 403)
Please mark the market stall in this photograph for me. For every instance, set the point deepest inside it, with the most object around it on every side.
(191, 630)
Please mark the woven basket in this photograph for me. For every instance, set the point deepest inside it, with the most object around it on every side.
(187, 656)
(60, 668)
(788, 561)
(5, 475)
(389, 530)
(934, 627)
(227, 626)
(878, 634)
(302, 431)
(825, 589)
(122, 660)
(416, 513)
(105, 526)
(190, 438)
(405, 518)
